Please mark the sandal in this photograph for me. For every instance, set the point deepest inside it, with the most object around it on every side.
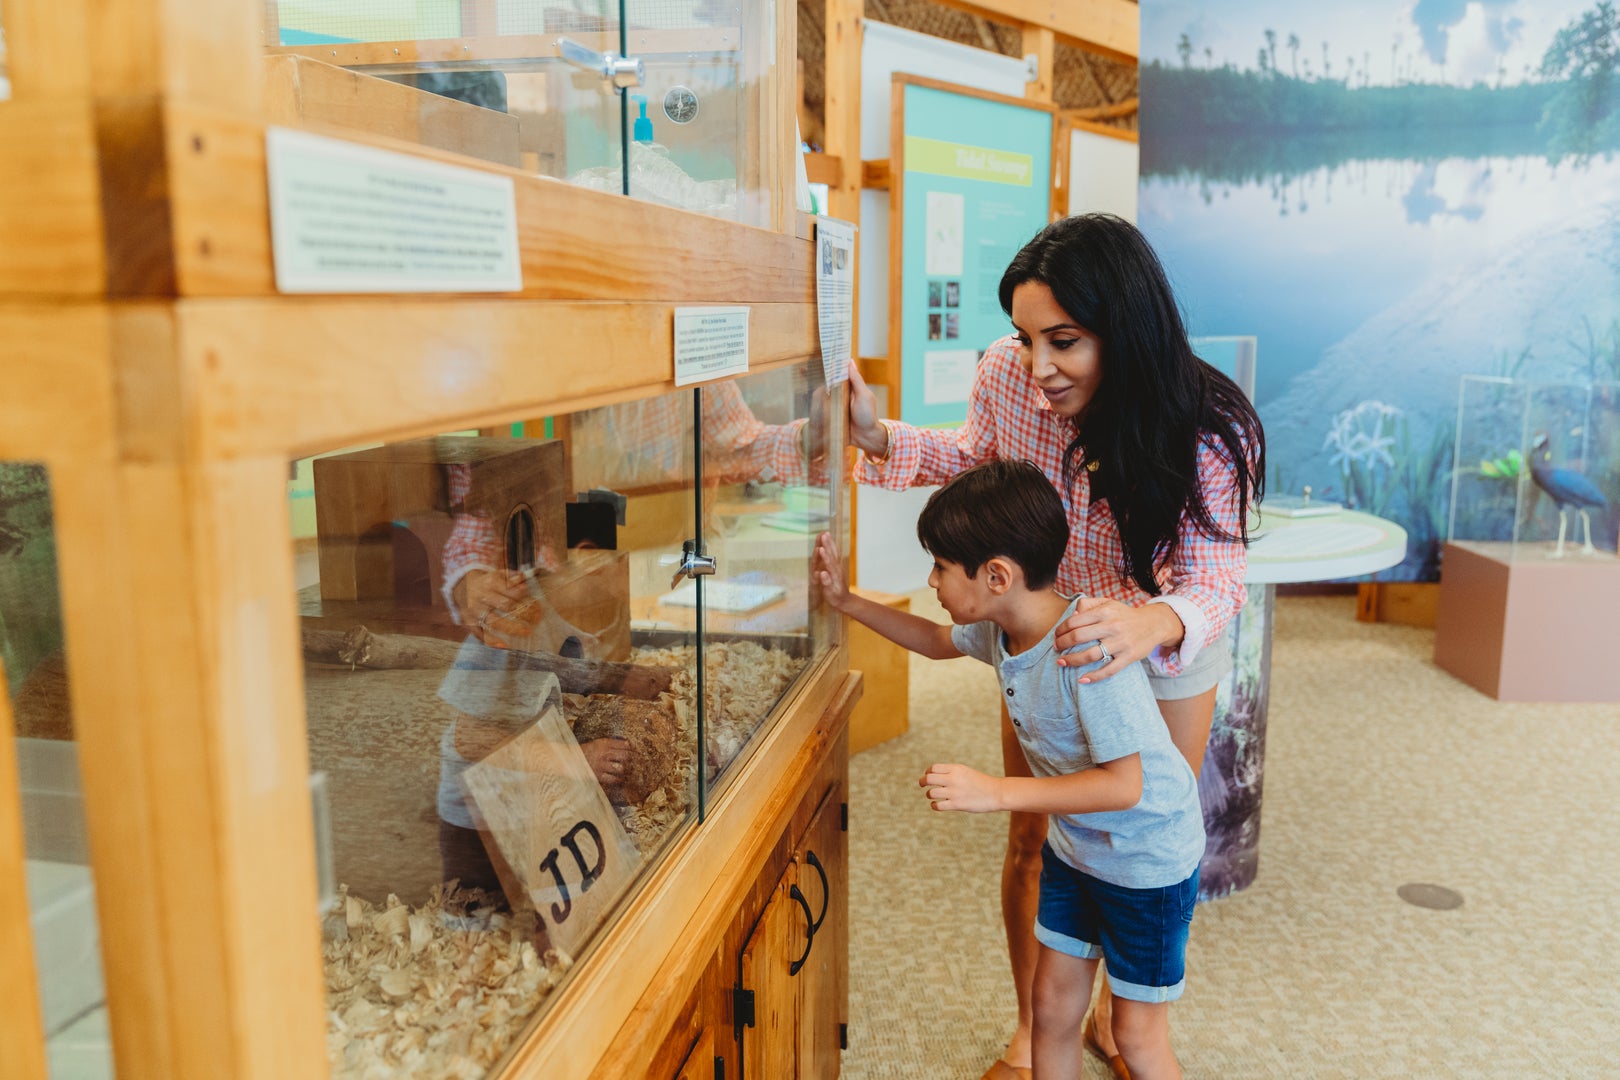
(1088, 1036)
(1003, 1071)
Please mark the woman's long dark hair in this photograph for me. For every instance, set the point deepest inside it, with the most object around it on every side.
(1157, 401)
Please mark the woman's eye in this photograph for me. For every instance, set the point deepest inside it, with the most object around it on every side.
(1064, 344)
(1023, 342)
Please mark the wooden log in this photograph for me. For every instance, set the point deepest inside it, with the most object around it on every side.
(359, 647)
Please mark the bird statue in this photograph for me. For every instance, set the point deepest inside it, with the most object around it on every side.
(1569, 490)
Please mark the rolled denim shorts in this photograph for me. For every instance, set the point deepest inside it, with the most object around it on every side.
(1208, 668)
(1141, 933)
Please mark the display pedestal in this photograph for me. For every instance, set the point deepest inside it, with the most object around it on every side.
(885, 710)
(1520, 626)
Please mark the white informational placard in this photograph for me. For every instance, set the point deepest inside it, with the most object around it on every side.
(946, 213)
(710, 343)
(346, 218)
(1103, 173)
(835, 296)
(948, 375)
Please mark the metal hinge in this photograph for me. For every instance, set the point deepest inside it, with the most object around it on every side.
(843, 817)
(742, 1008)
(619, 72)
(719, 1068)
(843, 1036)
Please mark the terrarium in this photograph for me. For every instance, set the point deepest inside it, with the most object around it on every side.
(682, 91)
(1537, 472)
(532, 656)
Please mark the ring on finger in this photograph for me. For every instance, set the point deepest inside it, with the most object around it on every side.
(1107, 657)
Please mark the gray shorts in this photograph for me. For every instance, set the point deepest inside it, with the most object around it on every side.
(1208, 668)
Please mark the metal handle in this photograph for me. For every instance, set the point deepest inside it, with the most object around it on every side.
(809, 930)
(826, 890)
(622, 72)
(691, 563)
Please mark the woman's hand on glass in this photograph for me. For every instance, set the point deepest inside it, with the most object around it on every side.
(1123, 634)
(865, 431)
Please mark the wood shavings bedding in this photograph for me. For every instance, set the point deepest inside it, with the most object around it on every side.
(440, 991)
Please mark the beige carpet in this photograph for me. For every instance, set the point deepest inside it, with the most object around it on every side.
(1381, 770)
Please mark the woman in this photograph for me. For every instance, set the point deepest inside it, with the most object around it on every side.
(1157, 457)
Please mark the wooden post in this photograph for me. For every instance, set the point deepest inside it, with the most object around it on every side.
(22, 1027)
(1041, 43)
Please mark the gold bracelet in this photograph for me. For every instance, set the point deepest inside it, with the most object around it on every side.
(888, 445)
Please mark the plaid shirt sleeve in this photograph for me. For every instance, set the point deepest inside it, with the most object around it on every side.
(471, 544)
(932, 456)
(1204, 585)
(740, 446)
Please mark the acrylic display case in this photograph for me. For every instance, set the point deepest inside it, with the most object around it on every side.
(412, 736)
(686, 91)
(1529, 575)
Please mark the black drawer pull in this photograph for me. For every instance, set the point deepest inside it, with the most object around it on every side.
(826, 890)
(809, 930)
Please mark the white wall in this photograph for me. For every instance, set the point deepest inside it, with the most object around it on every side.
(888, 556)
(1103, 174)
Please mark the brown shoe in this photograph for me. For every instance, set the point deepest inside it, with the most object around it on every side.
(1088, 1036)
(1003, 1071)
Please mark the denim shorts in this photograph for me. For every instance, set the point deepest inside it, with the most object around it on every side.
(1206, 671)
(1141, 933)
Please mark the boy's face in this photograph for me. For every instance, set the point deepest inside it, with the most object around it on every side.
(961, 596)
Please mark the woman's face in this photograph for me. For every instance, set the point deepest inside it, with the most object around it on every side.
(1063, 357)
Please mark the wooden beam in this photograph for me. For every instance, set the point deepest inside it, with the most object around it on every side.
(1116, 111)
(1041, 43)
(875, 174)
(410, 55)
(50, 215)
(1108, 28)
(297, 376)
(824, 169)
(841, 97)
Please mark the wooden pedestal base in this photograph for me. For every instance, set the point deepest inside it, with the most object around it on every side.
(1522, 627)
(885, 710)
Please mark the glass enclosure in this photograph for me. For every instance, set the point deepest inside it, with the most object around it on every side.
(61, 887)
(542, 87)
(5, 59)
(503, 667)
(1538, 468)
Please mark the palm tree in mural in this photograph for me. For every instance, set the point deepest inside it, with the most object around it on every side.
(1293, 48)
(1327, 65)
(1271, 47)
(1260, 59)
(1184, 48)
(1209, 57)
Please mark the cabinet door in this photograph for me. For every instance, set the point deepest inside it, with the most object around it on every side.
(699, 1064)
(770, 1044)
(821, 863)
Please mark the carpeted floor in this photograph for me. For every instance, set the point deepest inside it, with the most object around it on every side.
(1381, 770)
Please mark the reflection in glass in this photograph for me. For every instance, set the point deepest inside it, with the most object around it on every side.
(502, 757)
(5, 59)
(61, 891)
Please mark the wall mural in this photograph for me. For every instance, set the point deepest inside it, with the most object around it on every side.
(1390, 194)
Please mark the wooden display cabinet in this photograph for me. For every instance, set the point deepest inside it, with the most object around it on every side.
(156, 373)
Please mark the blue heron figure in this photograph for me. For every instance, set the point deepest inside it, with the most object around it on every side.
(1569, 490)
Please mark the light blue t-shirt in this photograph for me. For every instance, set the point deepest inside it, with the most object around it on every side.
(1065, 728)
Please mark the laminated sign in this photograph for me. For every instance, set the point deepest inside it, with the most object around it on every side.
(550, 830)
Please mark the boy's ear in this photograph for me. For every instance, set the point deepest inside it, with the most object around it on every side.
(1000, 574)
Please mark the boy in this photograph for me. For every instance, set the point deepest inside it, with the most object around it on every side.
(1120, 867)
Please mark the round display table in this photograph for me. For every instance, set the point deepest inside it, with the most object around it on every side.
(1342, 544)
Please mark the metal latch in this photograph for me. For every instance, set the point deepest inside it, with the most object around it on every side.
(690, 563)
(622, 72)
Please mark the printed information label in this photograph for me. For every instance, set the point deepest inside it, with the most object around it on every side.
(835, 296)
(346, 218)
(710, 343)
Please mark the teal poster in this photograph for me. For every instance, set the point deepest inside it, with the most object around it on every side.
(976, 185)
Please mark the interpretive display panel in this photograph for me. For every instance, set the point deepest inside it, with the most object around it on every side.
(971, 183)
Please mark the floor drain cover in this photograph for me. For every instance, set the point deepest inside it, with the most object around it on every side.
(1437, 897)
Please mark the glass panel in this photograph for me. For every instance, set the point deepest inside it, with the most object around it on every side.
(764, 503)
(61, 887)
(497, 737)
(704, 129)
(479, 77)
(5, 59)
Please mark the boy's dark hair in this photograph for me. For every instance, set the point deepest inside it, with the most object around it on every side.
(1005, 508)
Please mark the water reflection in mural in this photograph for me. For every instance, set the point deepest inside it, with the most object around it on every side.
(1389, 197)
(1229, 784)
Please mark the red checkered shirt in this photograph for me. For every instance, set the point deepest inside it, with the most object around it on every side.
(654, 439)
(1009, 417)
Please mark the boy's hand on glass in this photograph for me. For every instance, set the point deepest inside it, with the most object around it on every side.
(957, 787)
(828, 569)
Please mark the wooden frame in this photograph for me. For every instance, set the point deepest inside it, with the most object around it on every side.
(165, 384)
(893, 369)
